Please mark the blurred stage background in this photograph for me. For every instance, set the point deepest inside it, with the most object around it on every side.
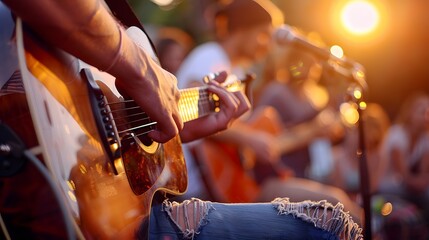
(395, 53)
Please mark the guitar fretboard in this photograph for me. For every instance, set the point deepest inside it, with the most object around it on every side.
(195, 103)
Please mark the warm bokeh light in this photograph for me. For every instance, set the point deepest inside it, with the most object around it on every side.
(317, 95)
(337, 51)
(349, 113)
(360, 17)
(386, 209)
(357, 93)
(359, 74)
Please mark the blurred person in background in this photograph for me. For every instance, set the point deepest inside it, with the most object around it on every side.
(172, 45)
(346, 174)
(405, 159)
(401, 187)
(244, 32)
(291, 85)
(406, 149)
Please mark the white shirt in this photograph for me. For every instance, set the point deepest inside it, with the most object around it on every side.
(207, 58)
(398, 138)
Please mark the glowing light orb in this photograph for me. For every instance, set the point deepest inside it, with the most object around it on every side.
(337, 51)
(360, 17)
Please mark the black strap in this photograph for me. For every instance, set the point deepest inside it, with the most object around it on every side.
(122, 10)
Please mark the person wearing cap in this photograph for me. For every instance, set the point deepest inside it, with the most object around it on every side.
(243, 30)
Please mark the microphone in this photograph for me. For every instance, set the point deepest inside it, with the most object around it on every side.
(285, 35)
(356, 74)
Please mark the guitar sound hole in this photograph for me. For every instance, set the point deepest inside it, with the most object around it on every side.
(142, 157)
(143, 165)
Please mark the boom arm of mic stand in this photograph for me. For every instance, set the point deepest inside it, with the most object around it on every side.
(351, 70)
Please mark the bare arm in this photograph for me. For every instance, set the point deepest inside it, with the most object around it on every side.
(85, 29)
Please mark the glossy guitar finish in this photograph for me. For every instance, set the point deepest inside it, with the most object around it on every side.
(93, 143)
(101, 202)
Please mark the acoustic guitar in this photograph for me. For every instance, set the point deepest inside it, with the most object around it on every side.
(229, 172)
(233, 174)
(95, 142)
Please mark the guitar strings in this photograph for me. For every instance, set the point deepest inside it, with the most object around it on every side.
(204, 96)
(203, 100)
(138, 127)
(145, 117)
(129, 137)
(204, 103)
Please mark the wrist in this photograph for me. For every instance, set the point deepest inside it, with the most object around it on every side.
(131, 62)
(118, 53)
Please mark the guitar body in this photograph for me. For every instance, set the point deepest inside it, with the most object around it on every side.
(98, 194)
(230, 172)
(223, 174)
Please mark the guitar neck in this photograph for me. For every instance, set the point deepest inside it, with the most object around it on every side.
(196, 102)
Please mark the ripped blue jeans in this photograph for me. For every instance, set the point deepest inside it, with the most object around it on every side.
(280, 219)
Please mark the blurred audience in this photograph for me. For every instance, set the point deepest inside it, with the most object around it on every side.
(404, 179)
(406, 150)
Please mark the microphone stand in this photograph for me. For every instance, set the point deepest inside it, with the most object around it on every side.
(363, 171)
(358, 75)
(355, 72)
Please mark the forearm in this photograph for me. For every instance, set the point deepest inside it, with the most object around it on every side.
(84, 28)
(237, 134)
(193, 130)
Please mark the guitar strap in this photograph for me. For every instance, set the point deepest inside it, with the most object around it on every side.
(122, 10)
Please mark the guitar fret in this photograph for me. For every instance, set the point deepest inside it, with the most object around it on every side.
(193, 103)
(197, 102)
(205, 106)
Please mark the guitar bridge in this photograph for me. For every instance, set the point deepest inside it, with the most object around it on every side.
(104, 120)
